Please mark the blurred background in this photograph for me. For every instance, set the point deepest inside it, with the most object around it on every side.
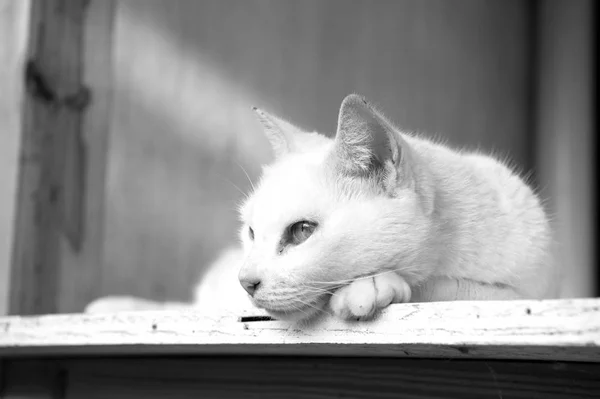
(169, 136)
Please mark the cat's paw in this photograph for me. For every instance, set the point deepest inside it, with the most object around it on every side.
(364, 297)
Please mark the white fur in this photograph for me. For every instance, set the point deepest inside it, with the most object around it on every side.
(438, 218)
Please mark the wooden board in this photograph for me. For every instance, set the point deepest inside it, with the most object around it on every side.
(81, 270)
(58, 234)
(50, 186)
(312, 378)
(32, 380)
(532, 330)
(14, 30)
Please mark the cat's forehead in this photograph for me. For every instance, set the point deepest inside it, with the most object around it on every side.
(292, 187)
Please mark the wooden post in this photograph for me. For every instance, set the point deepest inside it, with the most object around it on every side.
(52, 161)
(14, 27)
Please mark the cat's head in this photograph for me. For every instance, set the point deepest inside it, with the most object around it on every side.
(327, 211)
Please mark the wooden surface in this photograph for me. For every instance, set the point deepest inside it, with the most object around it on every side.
(185, 74)
(311, 378)
(31, 380)
(51, 156)
(59, 221)
(532, 330)
(81, 270)
(14, 30)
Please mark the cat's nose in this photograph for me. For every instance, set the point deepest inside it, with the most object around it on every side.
(250, 285)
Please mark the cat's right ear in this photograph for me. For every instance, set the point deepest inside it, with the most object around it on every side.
(279, 132)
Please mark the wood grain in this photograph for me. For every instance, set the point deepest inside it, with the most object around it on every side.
(55, 52)
(14, 35)
(81, 270)
(323, 377)
(32, 380)
(306, 377)
(551, 330)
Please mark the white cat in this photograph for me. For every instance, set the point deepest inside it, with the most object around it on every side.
(373, 217)
(377, 216)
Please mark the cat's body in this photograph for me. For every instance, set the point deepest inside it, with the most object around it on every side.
(376, 216)
(425, 221)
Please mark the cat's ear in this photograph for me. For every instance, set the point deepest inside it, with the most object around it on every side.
(279, 132)
(369, 146)
(365, 141)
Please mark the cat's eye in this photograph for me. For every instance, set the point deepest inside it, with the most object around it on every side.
(251, 233)
(300, 231)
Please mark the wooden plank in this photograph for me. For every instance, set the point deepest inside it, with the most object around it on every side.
(14, 29)
(51, 120)
(81, 268)
(2, 377)
(31, 379)
(307, 377)
(550, 329)
(368, 378)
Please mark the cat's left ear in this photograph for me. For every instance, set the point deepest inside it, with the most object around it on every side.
(366, 143)
(368, 146)
(279, 132)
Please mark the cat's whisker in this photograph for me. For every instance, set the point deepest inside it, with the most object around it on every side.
(246, 195)
(350, 280)
(314, 289)
(299, 299)
(247, 175)
(314, 307)
(328, 291)
(299, 309)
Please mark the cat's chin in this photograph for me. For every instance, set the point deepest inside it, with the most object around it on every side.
(304, 315)
(299, 314)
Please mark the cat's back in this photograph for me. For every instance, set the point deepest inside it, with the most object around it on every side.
(492, 224)
(481, 183)
(508, 194)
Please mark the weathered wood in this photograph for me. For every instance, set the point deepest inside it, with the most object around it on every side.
(32, 379)
(81, 268)
(14, 29)
(51, 120)
(243, 377)
(308, 377)
(550, 330)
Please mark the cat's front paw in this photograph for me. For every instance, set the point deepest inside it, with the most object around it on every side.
(364, 297)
